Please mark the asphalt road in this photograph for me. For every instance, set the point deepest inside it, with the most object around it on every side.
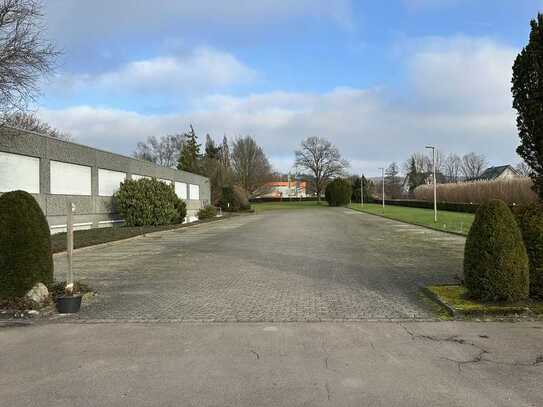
(263, 277)
(409, 364)
(310, 265)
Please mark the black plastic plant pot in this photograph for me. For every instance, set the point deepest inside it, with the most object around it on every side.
(68, 304)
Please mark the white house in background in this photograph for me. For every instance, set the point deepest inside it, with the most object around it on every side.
(500, 172)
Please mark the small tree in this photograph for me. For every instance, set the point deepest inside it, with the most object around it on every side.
(30, 122)
(338, 192)
(527, 100)
(495, 259)
(356, 182)
(250, 165)
(392, 180)
(190, 153)
(452, 166)
(322, 159)
(473, 165)
(25, 245)
(415, 173)
(163, 151)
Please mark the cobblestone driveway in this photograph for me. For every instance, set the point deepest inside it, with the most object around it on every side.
(306, 265)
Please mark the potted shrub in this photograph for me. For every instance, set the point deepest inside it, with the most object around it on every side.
(70, 301)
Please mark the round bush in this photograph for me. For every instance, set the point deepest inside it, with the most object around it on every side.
(234, 199)
(530, 220)
(338, 192)
(207, 213)
(149, 202)
(495, 259)
(25, 245)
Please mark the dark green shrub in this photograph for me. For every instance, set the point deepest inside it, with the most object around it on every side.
(149, 202)
(181, 209)
(338, 192)
(496, 265)
(442, 206)
(25, 245)
(234, 199)
(530, 220)
(207, 213)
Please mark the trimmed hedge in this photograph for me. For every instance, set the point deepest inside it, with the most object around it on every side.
(25, 245)
(530, 219)
(442, 206)
(496, 266)
(149, 202)
(207, 213)
(338, 192)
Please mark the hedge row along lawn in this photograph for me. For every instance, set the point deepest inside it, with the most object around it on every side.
(455, 222)
(91, 237)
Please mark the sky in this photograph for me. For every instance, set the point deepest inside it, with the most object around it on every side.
(379, 79)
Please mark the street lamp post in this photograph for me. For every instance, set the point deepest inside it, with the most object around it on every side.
(435, 180)
(383, 192)
(362, 190)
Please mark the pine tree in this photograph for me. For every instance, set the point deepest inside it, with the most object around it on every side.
(190, 153)
(212, 152)
(528, 101)
(415, 177)
(225, 153)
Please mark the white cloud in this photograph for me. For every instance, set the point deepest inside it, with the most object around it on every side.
(463, 74)
(457, 98)
(203, 69)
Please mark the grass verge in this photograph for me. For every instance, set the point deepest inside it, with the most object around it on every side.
(456, 300)
(452, 222)
(91, 237)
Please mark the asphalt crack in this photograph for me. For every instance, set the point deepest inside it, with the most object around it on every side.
(479, 357)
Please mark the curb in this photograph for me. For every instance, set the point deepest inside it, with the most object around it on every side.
(434, 297)
(114, 242)
(457, 314)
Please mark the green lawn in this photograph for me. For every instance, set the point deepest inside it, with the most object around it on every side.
(270, 206)
(456, 297)
(457, 222)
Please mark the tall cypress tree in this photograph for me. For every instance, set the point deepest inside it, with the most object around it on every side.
(528, 101)
(190, 153)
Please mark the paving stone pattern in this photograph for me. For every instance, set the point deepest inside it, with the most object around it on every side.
(307, 265)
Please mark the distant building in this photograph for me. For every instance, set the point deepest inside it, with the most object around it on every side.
(285, 189)
(500, 172)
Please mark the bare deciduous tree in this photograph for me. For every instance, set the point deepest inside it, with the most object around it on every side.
(322, 159)
(163, 151)
(393, 185)
(25, 56)
(452, 167)
(250, 165)
(31, 122)
(473, 165)
(523, 169)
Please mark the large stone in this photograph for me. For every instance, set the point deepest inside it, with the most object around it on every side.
(39, 293)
